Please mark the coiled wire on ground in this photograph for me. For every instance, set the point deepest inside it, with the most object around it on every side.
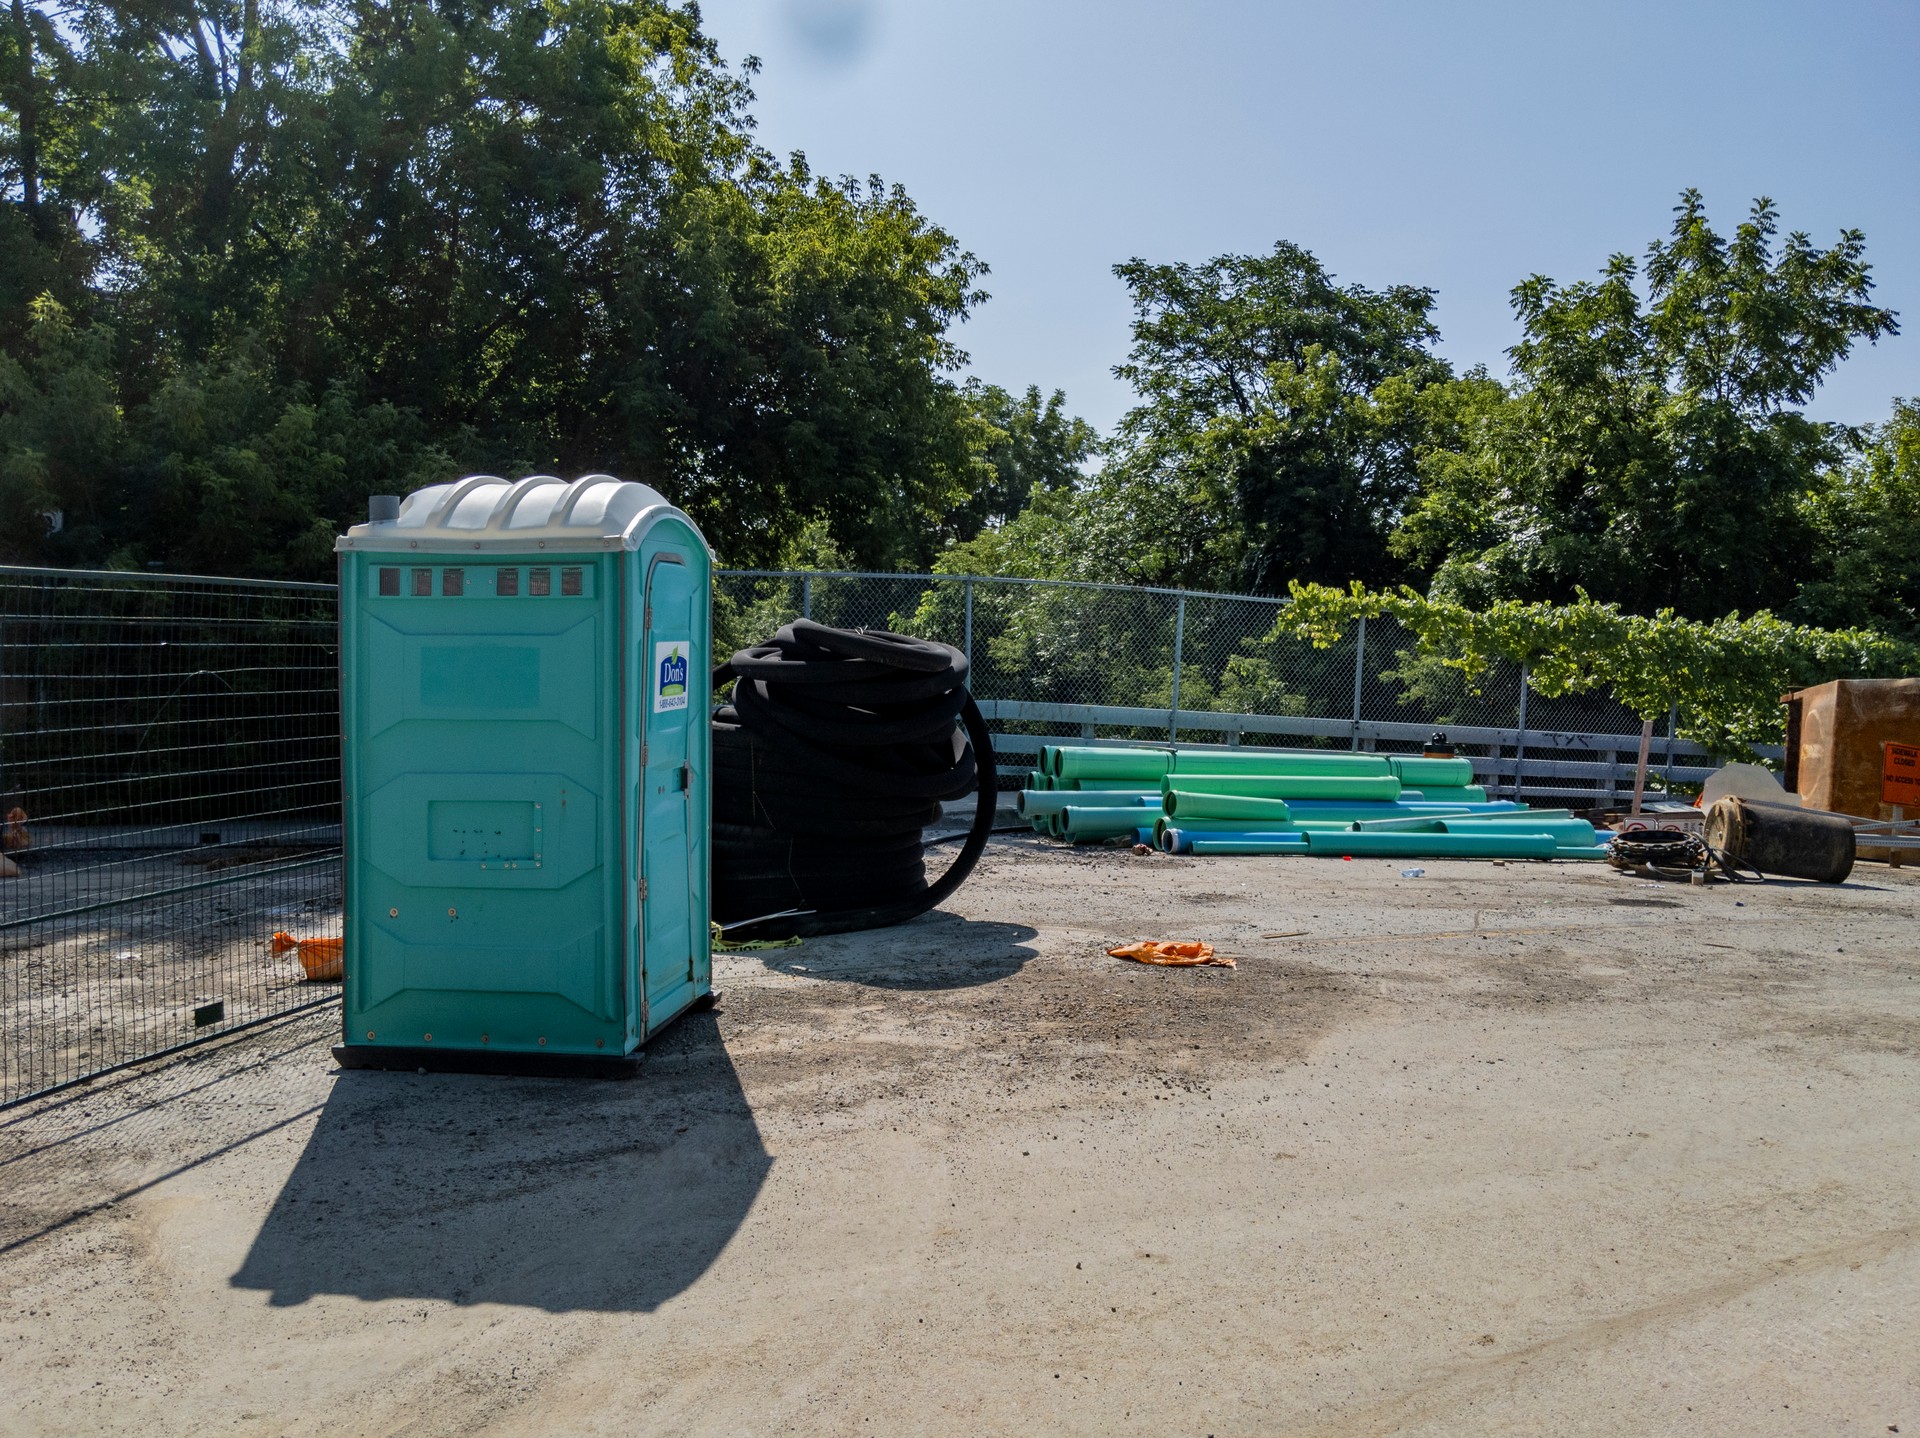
(1676, 855)
(834, 754)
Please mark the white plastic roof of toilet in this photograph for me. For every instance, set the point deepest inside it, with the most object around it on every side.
(484, 512)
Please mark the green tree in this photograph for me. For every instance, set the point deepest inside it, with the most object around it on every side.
(334, 245)
(1866, 515)
(1651, 449)
(62, 439)
(1029, 445)
(1278, 425)
(1724, 676)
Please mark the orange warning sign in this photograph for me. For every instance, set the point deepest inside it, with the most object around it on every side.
(1900, 775)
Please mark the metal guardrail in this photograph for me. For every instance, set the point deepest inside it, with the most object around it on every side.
(174, 740)
(1526, 771)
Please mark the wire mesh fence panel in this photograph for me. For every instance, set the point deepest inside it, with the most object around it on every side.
(171, 747)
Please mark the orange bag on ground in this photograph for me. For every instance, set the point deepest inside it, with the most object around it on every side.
(15, 836)
(321, 958)
(1174, 953)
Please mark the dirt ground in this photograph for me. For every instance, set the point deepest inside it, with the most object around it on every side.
(1522, 1149)
(136, 938)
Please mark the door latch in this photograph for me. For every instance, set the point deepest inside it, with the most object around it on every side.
(686, 778)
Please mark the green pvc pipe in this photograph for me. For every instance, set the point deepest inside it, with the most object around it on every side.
(1567, 851)
(1358, 788)
(1445, 794)
(1418, 773)
(1052, 801)
(1522, 820)
(1348, 813)
(1431, 846)
(1108, 786)
(1278, 844)
(1086, 825)
(1180, 804)
(1577, 833)
(1508, 816)
(1292, 762)
(1341, 816)
(1110, 763)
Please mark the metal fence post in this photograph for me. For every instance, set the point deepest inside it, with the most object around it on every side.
(1520, 744)
(1673, 723)
(806, 596)
(1179, 643)
(1359, 670)
(969, 642)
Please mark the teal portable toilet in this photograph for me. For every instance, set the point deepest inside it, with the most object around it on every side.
(525, 751)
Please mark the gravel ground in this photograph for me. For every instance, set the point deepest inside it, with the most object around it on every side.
(1522, 1149)
(141, 937)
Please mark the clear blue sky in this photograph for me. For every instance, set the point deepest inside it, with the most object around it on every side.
(1458, 146)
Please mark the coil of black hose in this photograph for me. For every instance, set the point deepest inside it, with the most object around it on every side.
(835, 753)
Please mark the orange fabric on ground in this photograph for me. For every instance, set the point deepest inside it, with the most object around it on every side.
(321, 958)
(1174, 953)
(16, 835)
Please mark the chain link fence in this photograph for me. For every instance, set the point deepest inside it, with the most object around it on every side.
(1109, 663)
(173, 746)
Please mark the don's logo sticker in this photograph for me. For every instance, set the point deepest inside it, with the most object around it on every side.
(670, 675)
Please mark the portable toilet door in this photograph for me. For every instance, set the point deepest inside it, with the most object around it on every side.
(524, 770)
(671, 807)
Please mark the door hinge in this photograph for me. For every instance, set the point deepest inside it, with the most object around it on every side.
(643, 891)
(643, 756)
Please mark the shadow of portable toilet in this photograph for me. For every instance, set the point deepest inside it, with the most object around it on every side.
(524, 773)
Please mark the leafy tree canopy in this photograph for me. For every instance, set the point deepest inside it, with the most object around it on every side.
(1866, 519)
(1028, 446)
(259, 258)
(1650, 449)
(1723, 676)
(1278, 421)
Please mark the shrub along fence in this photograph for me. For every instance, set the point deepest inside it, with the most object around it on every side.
(174, 743)
(1053, 659)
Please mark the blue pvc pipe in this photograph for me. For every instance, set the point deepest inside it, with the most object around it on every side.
(1431, 846)
(1175, 840)
(1265, 844)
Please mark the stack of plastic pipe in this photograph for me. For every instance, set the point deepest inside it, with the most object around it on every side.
(1289, 801)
